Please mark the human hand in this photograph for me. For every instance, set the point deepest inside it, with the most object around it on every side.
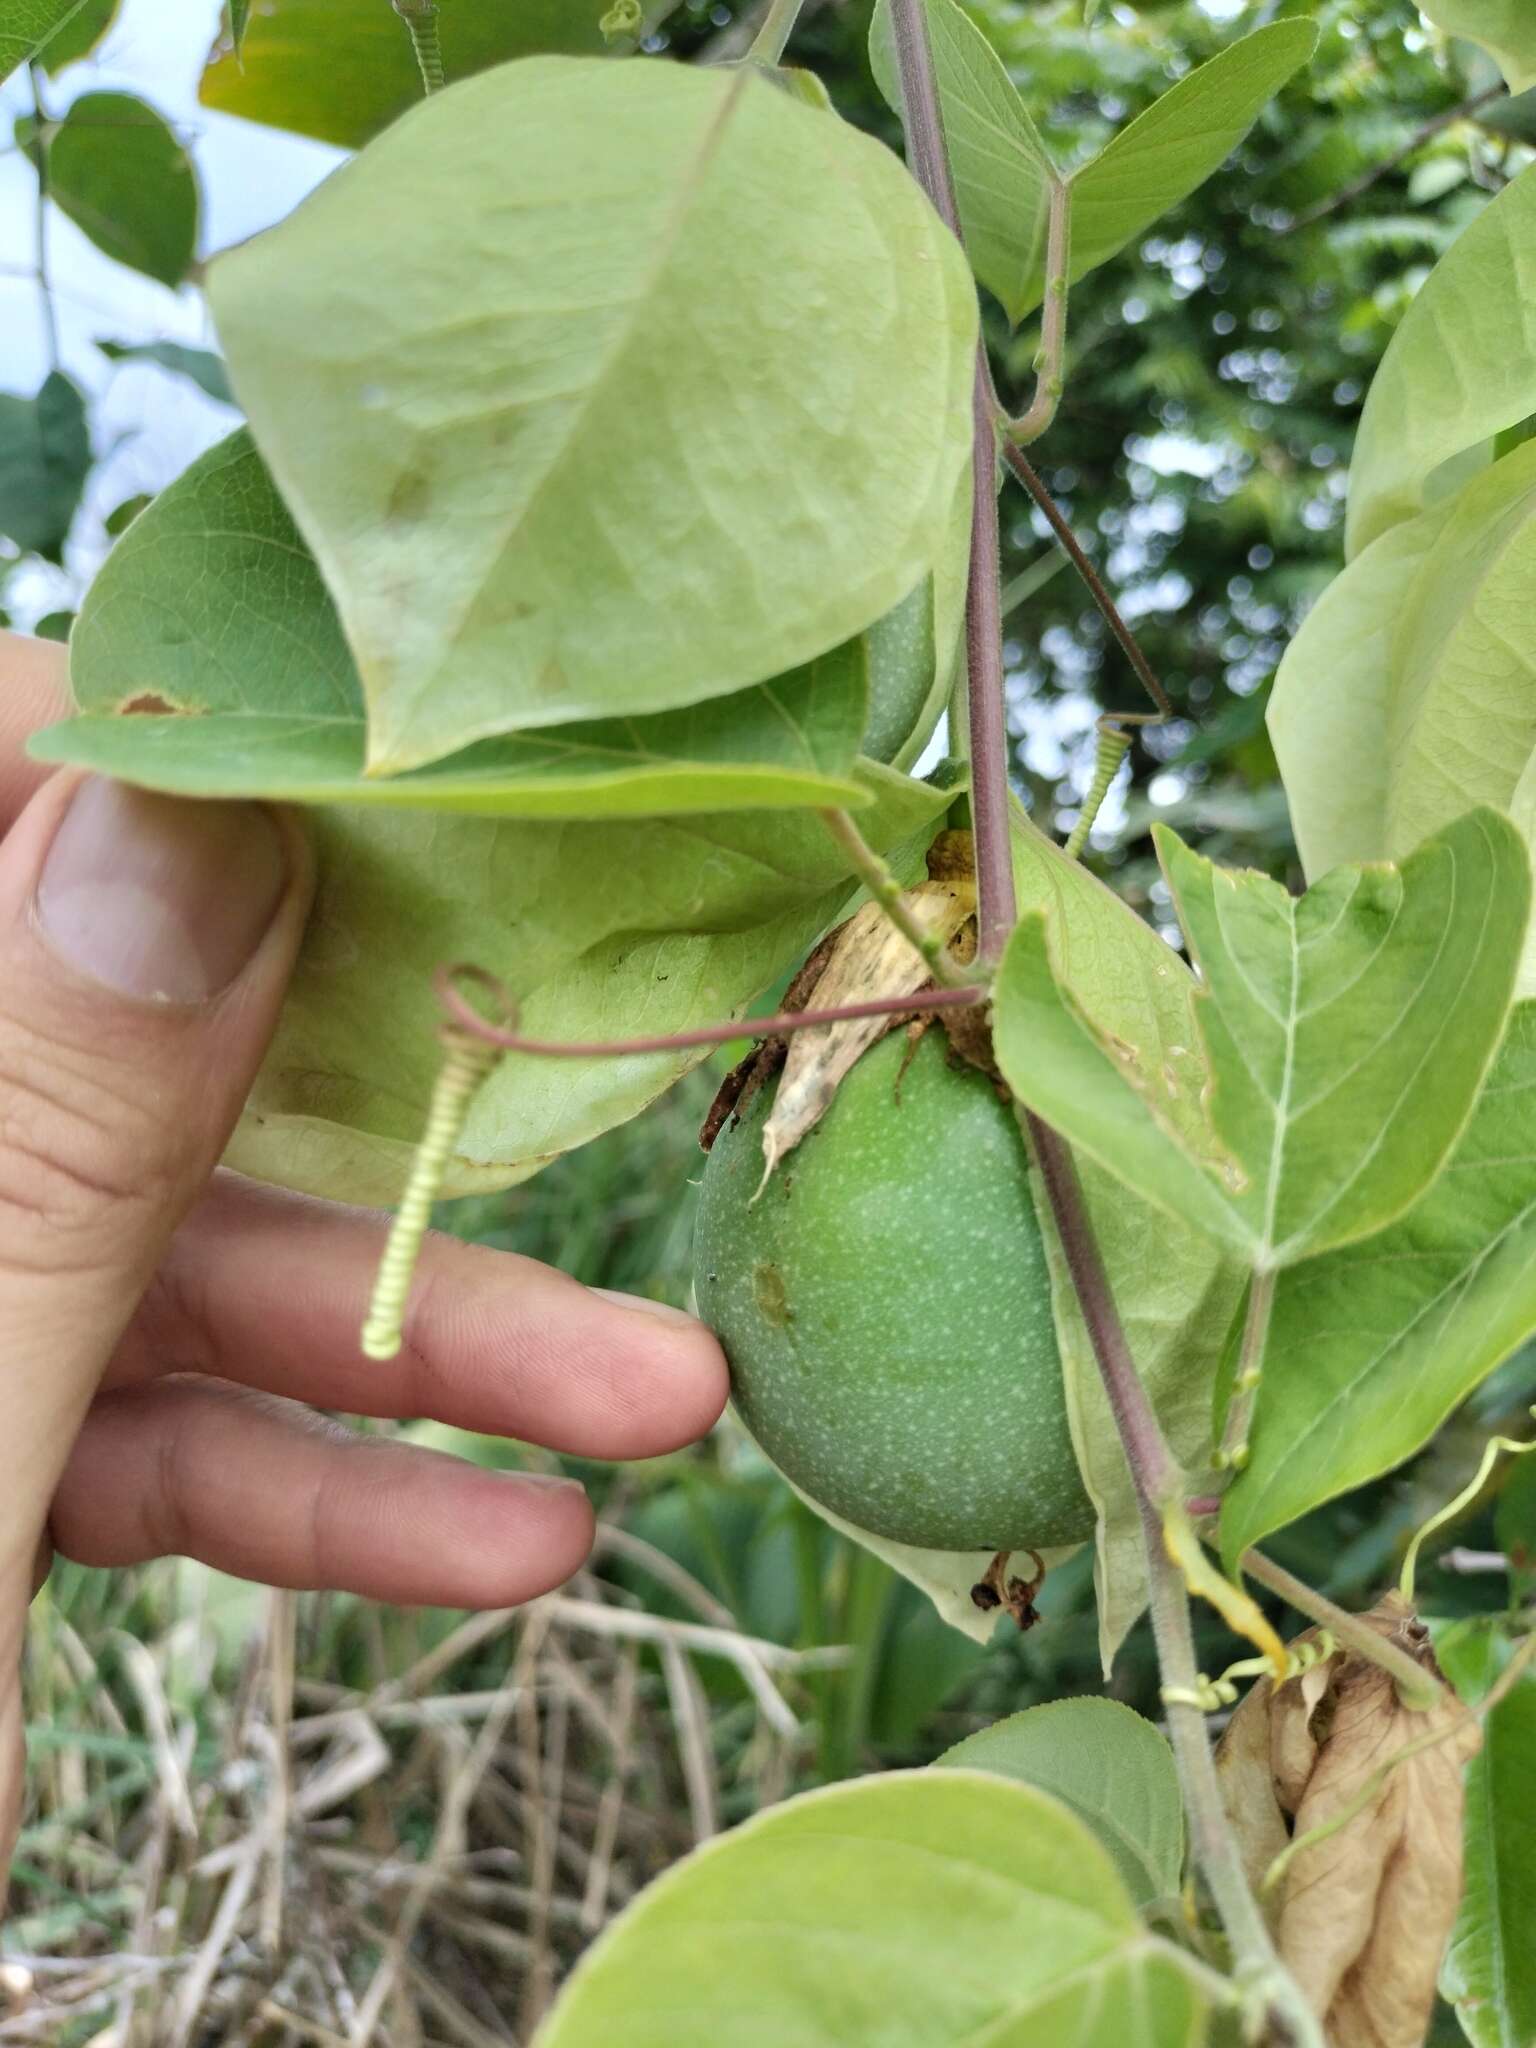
(161, 1324)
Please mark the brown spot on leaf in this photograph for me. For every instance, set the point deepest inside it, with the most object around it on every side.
(149, 703)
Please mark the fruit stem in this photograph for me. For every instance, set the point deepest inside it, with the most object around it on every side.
(887, 892)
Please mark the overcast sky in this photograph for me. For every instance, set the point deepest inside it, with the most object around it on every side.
(147, 425)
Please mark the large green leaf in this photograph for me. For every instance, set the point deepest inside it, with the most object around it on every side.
(538, 497)
(1409, 695)
(116, 168)
(341, 70)
(1177, 1288)
(1459, 369)
(600, 930)
(211, 625)
(1347, 1034)
(1110, 1766)
(1490, 1967)
(1505, 28)
(1372, 1345)
(1002, 172)
(1180, 141)
(918, 1910)
(45, 457)
(27, 25)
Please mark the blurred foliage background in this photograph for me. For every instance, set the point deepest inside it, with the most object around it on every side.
(182, 1725)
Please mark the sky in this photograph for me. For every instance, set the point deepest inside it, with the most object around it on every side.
(147, 424)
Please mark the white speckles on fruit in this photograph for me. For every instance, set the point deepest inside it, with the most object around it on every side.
(886, 1310)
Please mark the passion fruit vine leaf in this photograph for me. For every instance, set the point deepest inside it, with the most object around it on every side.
(1372, 1345)
(1409, 695)
(340, 70)
(1347, 1033)
(26, 25)
(535, 500)
(919, 1909)
(120, 172)
(599, 930)
(1177, 1289)
(1505, 28)
(212, 609)
(1004, 173)
(1112, 1768)
(1470, 339)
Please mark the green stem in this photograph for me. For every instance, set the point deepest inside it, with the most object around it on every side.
(1233, 1455)
(1260, 1973)
(772, 39)
(1051, 359)
(887, 892)
(1418, 1689)
(40, 230)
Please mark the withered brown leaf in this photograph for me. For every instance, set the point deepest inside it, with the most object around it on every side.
(1363, 1915)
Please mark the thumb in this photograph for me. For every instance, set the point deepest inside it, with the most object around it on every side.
(145, 945)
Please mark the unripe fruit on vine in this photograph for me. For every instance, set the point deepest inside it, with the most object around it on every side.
(886, 1309)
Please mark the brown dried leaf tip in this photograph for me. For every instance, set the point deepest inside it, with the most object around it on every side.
(1362, 1915)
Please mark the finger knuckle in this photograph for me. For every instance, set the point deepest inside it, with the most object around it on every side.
(83, 1157)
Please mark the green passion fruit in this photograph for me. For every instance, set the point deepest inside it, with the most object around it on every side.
(885, 1305)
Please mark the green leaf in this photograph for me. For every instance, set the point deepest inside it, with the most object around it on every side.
(1177, 1289)
(239, 22)
(341, 70)
(1004, 174)
(1111, 1767)
(600, 930)
(45, 457)
(27, 25)
(1372, 1345)
(1180, 141)
(920, 1910)
(1347, 1033)
(1409, 695)
(1459, 369)
(200, 365)
(515, 532)
(1505, 28)
(78, 36)
(1002, 171)
(116, 168)
(210, 623)
(1490, 1967)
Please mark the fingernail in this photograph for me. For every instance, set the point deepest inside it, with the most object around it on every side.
(663, 1311)
(548, 1482)
(158, 898)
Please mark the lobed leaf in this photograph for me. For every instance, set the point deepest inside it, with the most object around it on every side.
(1489, 1973)
(920, 1909)
(117, 169)
(1460, 368)
(1110, 1766)
(1373, 1344)
(451, 356)
(1347, 1035)
(1002, 172)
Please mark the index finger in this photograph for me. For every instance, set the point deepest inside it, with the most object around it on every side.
(34, 692)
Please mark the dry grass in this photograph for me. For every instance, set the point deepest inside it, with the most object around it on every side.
(223, 1850)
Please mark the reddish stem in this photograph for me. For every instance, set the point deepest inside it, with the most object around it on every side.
(462, 1016)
